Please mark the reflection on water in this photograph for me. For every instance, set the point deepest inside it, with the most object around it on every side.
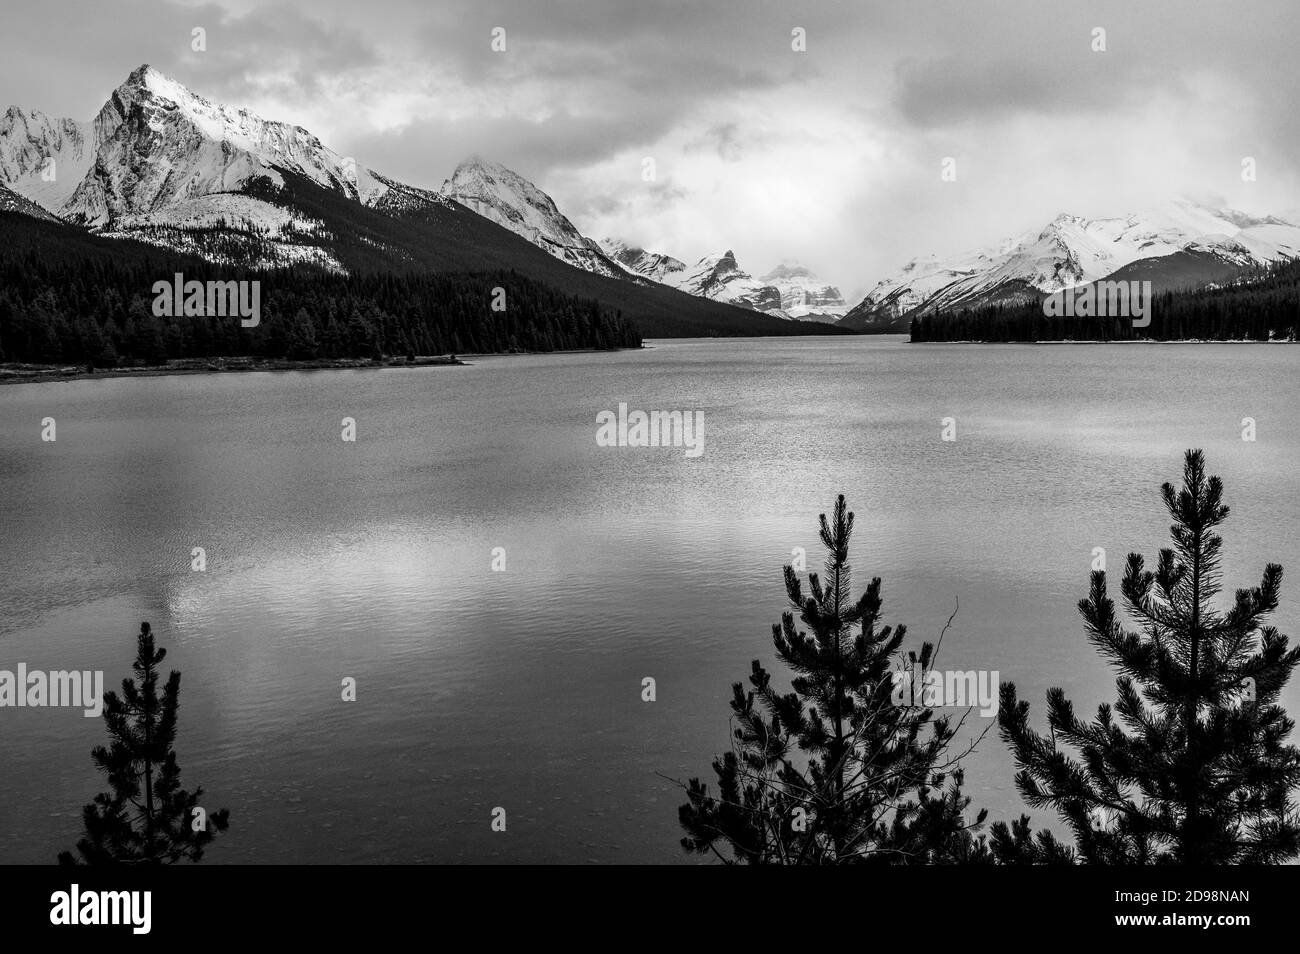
(522, 688)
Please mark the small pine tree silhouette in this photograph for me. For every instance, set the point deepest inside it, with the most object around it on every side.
(1195, 770)
(827, 774)
(146, 817)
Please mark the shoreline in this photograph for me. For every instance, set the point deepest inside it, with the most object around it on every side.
(46, 373)
(39, 374)
(1121, 341)
(15, 373)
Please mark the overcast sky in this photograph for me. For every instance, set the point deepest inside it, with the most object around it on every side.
(831, 157)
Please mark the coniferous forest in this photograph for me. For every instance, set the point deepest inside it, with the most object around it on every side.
(1191, 765)
(1263, 305)
(93, 307)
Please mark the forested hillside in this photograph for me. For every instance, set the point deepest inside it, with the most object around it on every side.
(1261, 305)
(69, 296)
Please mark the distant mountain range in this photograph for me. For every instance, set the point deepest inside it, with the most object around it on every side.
(788, 291)
(510, 200)
(165, 166)
(1178, 245)
(639, 262)
(162, 165)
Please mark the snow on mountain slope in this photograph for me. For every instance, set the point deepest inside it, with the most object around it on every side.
(162, 165)
(1073, 250)
(271, 234)
(164, 162)
(43, 159)
(637, 261)
(719, 278)
(803, 294)
(511, 201)
(156, 143)
(389, 195)
(788, 291)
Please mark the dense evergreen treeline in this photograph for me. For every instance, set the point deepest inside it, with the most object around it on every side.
(99, 310)
(1264, 305)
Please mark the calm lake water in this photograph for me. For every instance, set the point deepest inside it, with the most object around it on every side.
(522, 688)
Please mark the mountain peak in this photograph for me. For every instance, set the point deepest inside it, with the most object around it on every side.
(720, 264)
(145, 79)
(788, 269)
(803, 294)
(141, 74)
(508, 199)
(477, 164)
(635, 260)
(478, 178)
(720, 278)
(161, 146)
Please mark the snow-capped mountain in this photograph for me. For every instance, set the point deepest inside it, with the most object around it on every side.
(788, 291)
(157, 144)
(510, 200)
(637, 261)
(160, 162)
(163, 165)
(804, 295)
(1073, 250)
(719, 278)
(43, 159)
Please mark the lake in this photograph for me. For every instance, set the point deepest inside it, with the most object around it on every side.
(521, 688)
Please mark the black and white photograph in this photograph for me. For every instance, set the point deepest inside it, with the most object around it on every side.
(654, 433)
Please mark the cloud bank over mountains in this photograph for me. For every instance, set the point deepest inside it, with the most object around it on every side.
(831, 156)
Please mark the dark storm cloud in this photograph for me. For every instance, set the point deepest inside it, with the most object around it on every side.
(954, 89)
(271, 51)
(619, 203)
(672, 43)
(68, 61)
(1039, 59)
(640, 68)
(428, 149)
(669, 63)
